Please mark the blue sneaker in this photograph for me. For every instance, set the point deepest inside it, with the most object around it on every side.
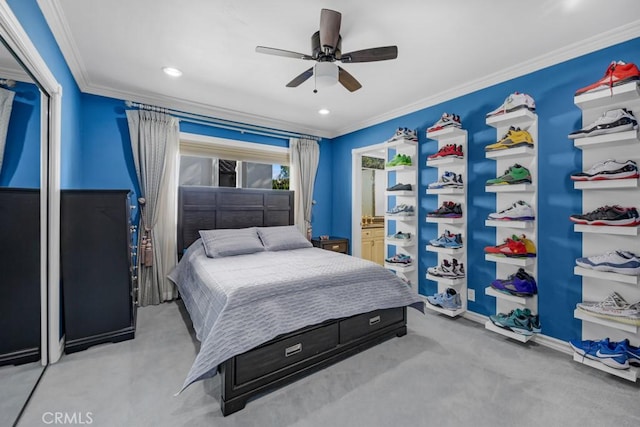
(447, 240)
(613, 354)
(449, 299)
(518, 321)
(587, 348)
(633, 353)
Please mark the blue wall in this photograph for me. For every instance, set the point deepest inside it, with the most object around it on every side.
(21, 160)
(558, 246)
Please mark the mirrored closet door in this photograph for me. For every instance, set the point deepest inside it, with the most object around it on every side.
(23, 130)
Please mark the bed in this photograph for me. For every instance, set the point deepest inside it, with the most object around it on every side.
(268, 317)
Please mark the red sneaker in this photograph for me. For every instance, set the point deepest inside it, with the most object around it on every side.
(510, 248)
(617, 74)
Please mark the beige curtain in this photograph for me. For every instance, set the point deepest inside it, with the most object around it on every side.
(305, 156)
(154, 142)
(6, 105)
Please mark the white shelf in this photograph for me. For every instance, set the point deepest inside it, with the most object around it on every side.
(608, 140)
(448, 251)
(450, 313)
(496, 294)
(605, 184)
(405, 218)
(585, 316)
(446, 280)
(508, 224)
(510, 188)
(399, 267)
(408, 193)
(606, 275)
(630, 374)
(451, 191)
(446, 161)
(522, 117)
(507, 333)
(447, 133)
(523, 151)
(402, 243)
(445, 220)
(608, 96)
(401, 143)
(401, 168)
(520, 262)
(606, 229)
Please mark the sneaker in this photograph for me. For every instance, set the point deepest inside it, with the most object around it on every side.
(609, 169)
(446, 121)
(617, 73)
(400, 236)
(520, 284)
(448, 180)
(518, 321)
(447, 240)
(449, 299)
(399, 160)
(447, 210)
(613, 307)
(399, 259)
(519, 211)
(449, 150)
(612, 121)
(515, 101)
(401, 187)
(405, 133)
(608, 215)
(401, 210)
(588, 348)
(511, 247)
(445, 269)
(516, 174)
(515, 137)
(622, 262)
(633, 353)
(528, 244)
(458, 269)
(613, 354)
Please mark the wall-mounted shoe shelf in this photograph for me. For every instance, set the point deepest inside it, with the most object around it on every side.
(401, 168)
(446, 312)
(400, 267)
(447, 136)
(507, 195)
(400, 193)
(402, 243)
(596, 240)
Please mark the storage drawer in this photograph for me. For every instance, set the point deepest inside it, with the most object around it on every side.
(336, 247)
(372, 232)
(363, 324)
(272, 357)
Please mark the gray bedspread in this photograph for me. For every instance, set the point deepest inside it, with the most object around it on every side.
(239, 302)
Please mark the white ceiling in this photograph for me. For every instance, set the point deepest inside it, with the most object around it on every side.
(446, 48)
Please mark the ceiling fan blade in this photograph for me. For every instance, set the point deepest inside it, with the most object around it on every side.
(371, 55)
(281, 52)
(347, 80)
(329, 28)
(301, 78)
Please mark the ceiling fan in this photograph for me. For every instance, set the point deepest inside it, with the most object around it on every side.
(326, 48)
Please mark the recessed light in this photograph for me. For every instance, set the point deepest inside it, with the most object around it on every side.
(323, 111)
(173, 72)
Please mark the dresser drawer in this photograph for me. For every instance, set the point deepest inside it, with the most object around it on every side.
(336, 247)
(288, 351)
(363, 324)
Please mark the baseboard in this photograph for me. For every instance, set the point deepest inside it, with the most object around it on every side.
(543, 340)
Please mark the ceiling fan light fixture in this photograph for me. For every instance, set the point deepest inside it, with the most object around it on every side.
(325, 73)
(323, 111)
(171, 71)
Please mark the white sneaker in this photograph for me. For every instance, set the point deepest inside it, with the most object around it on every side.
(613, 306)
(448, 180)
(519, 211)
(622, 262)
(515, 101)
(609, 169)
(446, 121)
(612, 121)
(405, 133)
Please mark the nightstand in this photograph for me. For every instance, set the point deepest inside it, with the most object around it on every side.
(335, 244)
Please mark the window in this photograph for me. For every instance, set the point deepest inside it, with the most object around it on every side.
(218, 162)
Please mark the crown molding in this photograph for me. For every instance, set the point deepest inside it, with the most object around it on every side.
(574, 50)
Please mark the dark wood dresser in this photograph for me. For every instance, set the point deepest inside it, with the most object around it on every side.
(335, 244)
(20, 271)
(96, 268)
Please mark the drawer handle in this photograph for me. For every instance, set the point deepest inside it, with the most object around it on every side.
(374, 320)
(294, 349)
(335, 247)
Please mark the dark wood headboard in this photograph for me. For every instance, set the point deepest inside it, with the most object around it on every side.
(208, 208)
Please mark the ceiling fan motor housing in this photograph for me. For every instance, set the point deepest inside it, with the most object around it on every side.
(318, 53)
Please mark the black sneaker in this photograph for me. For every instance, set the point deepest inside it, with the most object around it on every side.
(608, 215)
(400, 187)
(447, 210)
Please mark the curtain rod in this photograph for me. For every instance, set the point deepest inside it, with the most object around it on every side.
(220, 123)
(7, 82)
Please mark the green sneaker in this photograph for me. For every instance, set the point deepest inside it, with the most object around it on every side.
(518, 321)
(404, 160)
(516, 174)
(394, 161)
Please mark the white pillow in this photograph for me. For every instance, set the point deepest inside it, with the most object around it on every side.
(283, 238)
(230, 242)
